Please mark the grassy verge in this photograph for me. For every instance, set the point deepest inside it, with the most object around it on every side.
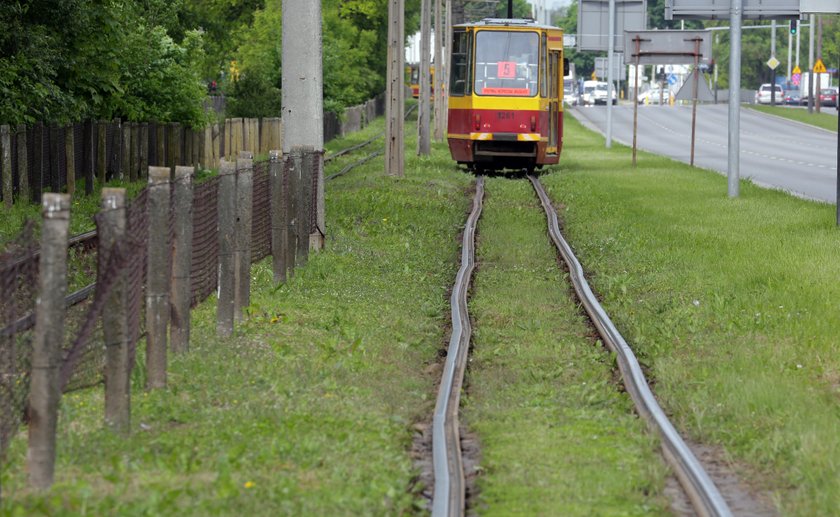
(308, 409)
(823, 120)
(731, 303)
(557, 435)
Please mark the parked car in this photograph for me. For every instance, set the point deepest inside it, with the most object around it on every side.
(762, 96)
(655, 96)
(792, 98)
(828, 97)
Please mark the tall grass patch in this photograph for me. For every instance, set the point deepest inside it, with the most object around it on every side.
(731, 303)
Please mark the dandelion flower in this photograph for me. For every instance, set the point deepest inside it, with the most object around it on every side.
(249, 484)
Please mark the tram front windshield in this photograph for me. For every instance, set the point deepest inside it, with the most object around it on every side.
(506, 63)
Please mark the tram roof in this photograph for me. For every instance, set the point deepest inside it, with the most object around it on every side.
(507, 22)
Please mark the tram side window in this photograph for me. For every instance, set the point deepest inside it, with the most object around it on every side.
(459, 81)
(506, 63)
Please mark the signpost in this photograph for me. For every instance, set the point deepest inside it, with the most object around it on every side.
(600, 25)
(669, 47)
(796, 77)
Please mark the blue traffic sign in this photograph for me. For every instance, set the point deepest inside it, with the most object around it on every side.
(672, 79)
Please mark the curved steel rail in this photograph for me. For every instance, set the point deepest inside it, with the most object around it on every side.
(703, 493)
(449, 494)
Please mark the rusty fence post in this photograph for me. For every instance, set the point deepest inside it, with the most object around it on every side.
(44, 390)
(244, 216)
(115, 318)
(227, 225)
(279, 225)
(157, 277)
(182, 209)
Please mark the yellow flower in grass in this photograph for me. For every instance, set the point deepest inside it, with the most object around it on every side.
(249, 484)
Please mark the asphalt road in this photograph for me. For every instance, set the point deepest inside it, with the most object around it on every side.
(775, 152)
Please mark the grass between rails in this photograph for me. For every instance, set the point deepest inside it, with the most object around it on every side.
(557, 435)
(308, 410)
(732, 303)
(823, 120)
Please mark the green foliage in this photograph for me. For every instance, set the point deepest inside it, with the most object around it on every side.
(66, 60)
(521, 9)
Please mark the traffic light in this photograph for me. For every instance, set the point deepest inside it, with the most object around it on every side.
(793, 27)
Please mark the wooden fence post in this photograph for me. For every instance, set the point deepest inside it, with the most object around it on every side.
(186, 159)
(115, 318)
(101, 151)
(160, 130)
(70, 155)
(157, 277)
(217, 140)
(279, 225)
(176, 137)
(6, 145)
(228, 140)
(125, 151)
(23, 164)
(244, 217)
(143, 158)
(44, 390)
(227, 227)
(134, 170)
(196, 155)
(182, 209)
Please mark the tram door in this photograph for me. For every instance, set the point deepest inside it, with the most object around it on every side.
(554, 78)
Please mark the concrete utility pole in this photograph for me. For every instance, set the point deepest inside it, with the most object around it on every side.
(423, 144)
(734, 154)
(439, 31)
(395, 91)
(789, 56)
(303, 92)
(797, 47)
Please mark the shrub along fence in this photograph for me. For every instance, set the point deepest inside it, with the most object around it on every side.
(51, 158)
(157, 256)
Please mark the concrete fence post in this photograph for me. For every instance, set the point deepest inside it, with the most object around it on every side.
(143, 153)
(70, 156)
(279, 225)
(244, 216)
(44, 390)
(157, 277)
(101, 151)
(6, 145)
(292, 164)
(115, 318)
(227, 227)
(23, 163)
(181, 258)
(304, 204)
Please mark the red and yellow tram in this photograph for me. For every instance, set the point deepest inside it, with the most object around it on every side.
(506, 94)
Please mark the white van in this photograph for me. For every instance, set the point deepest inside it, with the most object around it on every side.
(595, 92)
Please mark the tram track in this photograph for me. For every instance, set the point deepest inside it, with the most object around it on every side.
(449, 491)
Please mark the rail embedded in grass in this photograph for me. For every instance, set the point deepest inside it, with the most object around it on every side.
(449, 494)
(703, 493)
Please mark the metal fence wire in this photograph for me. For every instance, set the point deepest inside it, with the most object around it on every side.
(18, 283)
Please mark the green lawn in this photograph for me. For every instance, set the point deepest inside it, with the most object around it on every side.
(732, 304)
(823, 120)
